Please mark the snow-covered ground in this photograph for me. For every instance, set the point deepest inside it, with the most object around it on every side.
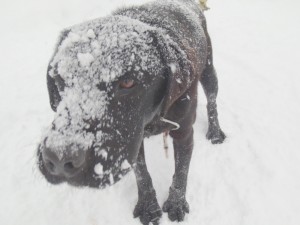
(251, 179)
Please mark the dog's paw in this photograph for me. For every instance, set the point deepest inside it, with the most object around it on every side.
(176, 209)
(216, 135)
(148, 210)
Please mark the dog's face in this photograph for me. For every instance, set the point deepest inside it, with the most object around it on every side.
(106, 80)
(109, 81)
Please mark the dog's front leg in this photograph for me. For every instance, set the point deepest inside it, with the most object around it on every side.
(147, 208)
(176, 204)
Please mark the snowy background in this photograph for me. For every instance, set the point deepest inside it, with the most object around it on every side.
(251, 179)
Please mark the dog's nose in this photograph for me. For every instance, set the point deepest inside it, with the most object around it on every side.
(66, 164)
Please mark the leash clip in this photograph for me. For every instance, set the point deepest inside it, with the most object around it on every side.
(177, 126)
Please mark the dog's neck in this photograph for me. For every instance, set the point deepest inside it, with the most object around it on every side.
(159, 123)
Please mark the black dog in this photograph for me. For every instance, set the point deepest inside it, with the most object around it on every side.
(116, 80)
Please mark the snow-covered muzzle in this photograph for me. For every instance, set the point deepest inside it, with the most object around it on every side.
(92, 127)
(99, 125)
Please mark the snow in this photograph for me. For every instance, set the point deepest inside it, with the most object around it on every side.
(173, 67)
(78, 106)
(91, 34)
(253, 178)
(102, 153)
(97, 44)
(85, 59)
(98, 169)
(125, 165)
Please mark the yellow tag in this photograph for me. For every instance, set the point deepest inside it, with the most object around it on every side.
(203, 4)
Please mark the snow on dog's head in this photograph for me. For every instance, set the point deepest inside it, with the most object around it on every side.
(98, 81)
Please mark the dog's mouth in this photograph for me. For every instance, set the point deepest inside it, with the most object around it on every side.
(100, 174)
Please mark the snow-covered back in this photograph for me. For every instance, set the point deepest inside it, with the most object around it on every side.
(251, 179)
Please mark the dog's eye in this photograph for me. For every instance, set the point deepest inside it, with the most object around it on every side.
(126, 84)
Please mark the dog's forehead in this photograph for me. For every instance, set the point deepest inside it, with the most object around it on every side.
(103, 50)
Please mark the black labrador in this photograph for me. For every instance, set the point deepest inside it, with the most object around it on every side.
(114, 81)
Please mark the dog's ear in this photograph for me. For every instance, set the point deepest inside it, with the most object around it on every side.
(178, 68)
(55, 83)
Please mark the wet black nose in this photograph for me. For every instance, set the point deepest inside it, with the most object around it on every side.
(66, 164)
